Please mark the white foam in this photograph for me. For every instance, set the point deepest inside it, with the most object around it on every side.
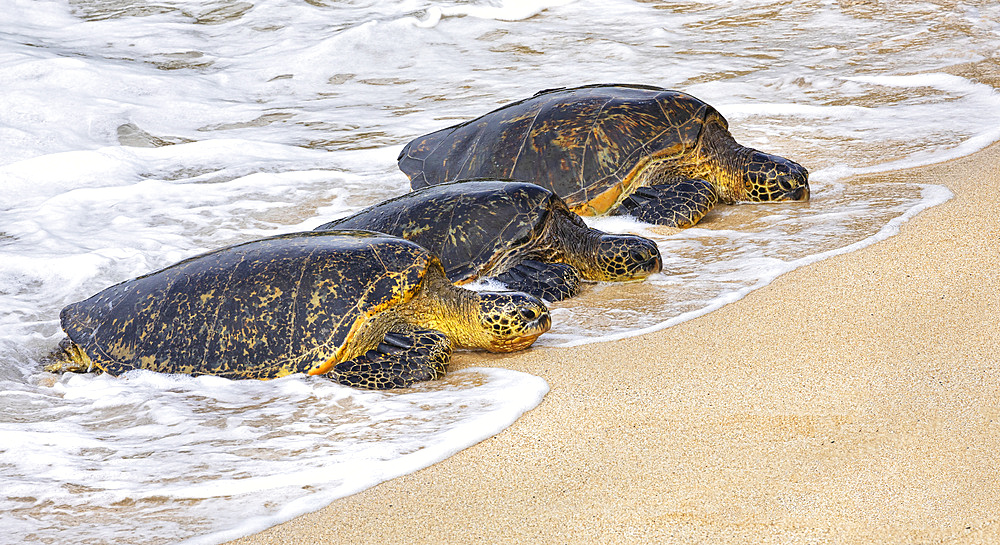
(247, 453)
(937, 80)
(508, 10)
(755, 273)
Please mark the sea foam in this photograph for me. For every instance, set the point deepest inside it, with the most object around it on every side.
(202, 453)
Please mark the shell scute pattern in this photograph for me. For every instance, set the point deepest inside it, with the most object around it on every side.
(518, 233)
(471, 230)
(263, 309)
(597, 145)
(580, 143)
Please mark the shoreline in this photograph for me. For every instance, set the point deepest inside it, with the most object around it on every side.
(852, 400)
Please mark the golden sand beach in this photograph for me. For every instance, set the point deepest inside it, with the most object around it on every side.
(854, 400)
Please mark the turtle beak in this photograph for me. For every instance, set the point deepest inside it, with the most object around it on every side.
(538, 326)
(543, 323)
(533, 331)
(654, 265)
(800, 193)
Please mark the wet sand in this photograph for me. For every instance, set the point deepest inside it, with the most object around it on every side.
(855, 400)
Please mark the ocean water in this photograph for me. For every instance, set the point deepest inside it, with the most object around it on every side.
(135, 134)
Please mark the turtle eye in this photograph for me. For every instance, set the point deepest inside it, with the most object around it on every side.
(639, 256)
(528, 314)
(785, 183)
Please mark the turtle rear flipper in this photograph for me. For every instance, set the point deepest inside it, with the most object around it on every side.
(403, 357)
(549, 281)
(680, 204)
(68, 357)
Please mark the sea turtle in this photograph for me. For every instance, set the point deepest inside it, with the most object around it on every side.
(662, 156)
(368, 309)
(519, 233)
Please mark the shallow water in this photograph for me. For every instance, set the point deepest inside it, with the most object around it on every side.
(136, 134)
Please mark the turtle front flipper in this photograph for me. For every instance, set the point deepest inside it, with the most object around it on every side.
(680, 204)
(403, 357)
(549, 281)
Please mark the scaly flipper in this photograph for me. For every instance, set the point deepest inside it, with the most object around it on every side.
(549, 281)
(403, 357)
(680, 204)
(68, 358)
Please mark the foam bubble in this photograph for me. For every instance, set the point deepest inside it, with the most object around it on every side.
(508, 10)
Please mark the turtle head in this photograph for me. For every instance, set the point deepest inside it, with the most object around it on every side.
(600, 256)
(772, 178)
(495, 321)
(510, 321)
(742, 174)
(620, 258)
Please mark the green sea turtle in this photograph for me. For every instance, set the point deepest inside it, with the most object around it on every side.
(519, 233)
(369, 310)
(661, 156)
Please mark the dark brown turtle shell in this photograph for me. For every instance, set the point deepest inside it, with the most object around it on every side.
(281, 305)
(477, 228)
(586, 144)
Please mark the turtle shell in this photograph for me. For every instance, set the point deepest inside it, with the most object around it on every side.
(585, 144)
(477, 228)
(267, 308)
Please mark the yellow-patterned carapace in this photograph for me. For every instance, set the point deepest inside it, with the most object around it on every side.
(367, 309)
(519, 233)
(662, 156)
